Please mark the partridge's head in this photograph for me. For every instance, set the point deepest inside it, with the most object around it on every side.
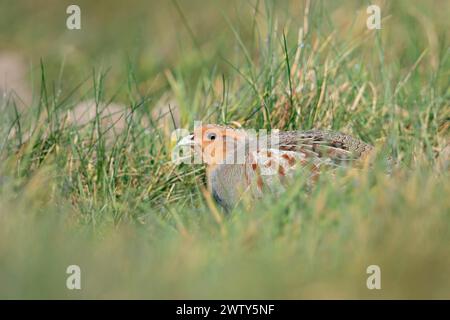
(214, 142)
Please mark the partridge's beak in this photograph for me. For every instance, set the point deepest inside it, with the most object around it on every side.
(184, 149)
(186, 141)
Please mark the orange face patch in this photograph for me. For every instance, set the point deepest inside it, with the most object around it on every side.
(215, 142)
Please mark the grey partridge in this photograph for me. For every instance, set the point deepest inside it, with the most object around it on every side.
(242, 162)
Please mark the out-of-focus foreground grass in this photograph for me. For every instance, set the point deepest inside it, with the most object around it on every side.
(85, 148)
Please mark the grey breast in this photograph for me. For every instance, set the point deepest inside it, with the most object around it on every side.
(227, 182)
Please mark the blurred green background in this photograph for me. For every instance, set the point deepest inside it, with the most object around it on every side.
(191, 37)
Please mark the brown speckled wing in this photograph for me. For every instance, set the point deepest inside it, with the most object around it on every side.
(330, 147)
(310, 151)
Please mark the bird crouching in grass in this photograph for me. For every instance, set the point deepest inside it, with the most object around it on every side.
(240, 162)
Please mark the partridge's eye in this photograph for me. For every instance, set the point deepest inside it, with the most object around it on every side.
(211, 136)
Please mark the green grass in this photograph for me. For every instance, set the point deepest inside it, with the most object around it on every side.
(139, 226)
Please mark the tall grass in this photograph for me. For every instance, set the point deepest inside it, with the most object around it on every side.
(110, 200)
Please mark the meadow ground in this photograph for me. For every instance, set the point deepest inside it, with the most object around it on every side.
(85, 148)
